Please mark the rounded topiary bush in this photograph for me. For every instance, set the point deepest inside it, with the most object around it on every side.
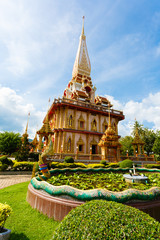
(126, 164)
(103, 162)
(68, 160)
(99, 219)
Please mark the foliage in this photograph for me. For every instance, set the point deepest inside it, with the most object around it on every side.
(9, 142)
(3, 167)
(25, 223)
(103, 162)
(68, 160)
(23, 166)
(34, 156)
(95, 165)
(126, 164)
(112, 165)
(110, 181)
(5, 160)
(137, 126)
(23, 153)
(152, 166)
(67, 165)
(149, 137)
(156, 145)
(99, 219)
(126, 143)
(5, 211)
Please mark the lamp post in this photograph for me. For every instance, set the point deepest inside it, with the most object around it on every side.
(127, 153)
(76, 153)
(90, 157)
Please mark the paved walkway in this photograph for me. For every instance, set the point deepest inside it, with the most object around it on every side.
(8, 180)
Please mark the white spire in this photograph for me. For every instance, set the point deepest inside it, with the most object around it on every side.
(82, 63)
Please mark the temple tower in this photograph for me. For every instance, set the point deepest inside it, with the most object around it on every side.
(79, 119)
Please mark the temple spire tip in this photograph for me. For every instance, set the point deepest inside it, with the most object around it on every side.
(83, 25)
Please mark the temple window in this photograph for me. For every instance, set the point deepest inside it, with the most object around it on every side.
(69, 145)
(94, 125)
(81, 122)
(70, 122)
(105, 127)
(80, 148)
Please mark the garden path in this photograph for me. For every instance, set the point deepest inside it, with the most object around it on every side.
(8, 180)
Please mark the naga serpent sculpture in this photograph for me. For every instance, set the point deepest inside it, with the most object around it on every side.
(42, 163)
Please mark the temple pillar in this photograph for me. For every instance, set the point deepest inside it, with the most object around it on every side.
(40, 143)
(99, 123)
(87, 127)
(65, 117)
(55, 141)
(59, 141)
(87, 150)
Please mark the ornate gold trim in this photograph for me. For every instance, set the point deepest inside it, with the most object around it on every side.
(94, 125)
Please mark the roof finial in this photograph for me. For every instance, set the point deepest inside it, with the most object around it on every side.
(109, 115)
(83, 25)
(27, 123)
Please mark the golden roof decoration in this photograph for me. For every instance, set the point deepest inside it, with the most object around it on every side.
(82, 62)
(35, 140)
(137, 139)
(45, 129)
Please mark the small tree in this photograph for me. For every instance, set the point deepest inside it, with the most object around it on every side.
(9, 142)
(126, 145)
(23, 152)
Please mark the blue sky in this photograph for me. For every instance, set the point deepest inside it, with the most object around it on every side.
(38, 45)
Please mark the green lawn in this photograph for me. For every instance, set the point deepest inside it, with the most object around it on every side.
(25, 223)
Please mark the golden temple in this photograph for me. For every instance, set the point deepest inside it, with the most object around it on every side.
(78, 120)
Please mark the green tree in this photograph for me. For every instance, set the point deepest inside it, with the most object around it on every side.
(126, 145)
(23, 152)
(9, 142)
(149, 137)
(137, 126)
(156, 146)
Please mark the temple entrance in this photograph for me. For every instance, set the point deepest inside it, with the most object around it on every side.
(94, 149)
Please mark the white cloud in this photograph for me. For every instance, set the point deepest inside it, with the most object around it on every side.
(14, 111)
(148, 110)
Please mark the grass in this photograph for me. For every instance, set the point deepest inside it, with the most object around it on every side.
(25, 223)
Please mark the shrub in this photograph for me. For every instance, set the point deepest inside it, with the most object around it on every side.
(67, 165)
(152, 166)
(68, 160)
(3, 167)
(34, 156)
(23, 166)
(126, 164)
(5, 160)
(103, 162)
(113, 165)
(5, 211)
(99, 219)
(95, 165)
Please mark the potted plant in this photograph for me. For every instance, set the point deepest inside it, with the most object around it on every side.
(5, 211)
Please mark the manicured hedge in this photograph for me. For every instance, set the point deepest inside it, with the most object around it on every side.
(5, 211)
(23, 166)
(67, 165)
(126, 164)
(95, 165)
(103, 162)
(5, 160)
(112, 165)
(152, 166)
(68, 160)
(99, 219)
